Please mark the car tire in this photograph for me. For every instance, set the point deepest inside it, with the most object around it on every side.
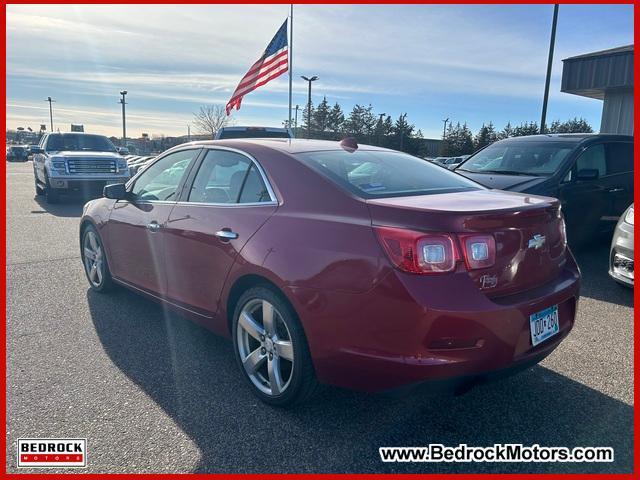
(39, 189)
(93, 253)
(51, 195)
(277, 354)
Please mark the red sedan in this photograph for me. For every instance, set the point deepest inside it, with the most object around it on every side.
(329, 263)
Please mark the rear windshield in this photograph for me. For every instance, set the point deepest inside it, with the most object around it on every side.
(380, 174)
(533, 158)
(252, 133)
(79, 142)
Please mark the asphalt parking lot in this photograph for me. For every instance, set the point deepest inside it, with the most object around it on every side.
(152, 392)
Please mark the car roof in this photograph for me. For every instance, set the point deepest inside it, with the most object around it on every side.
(285, 145)
(569, 137)
(251, 127)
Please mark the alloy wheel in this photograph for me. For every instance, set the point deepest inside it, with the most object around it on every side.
(93, 258)
(265, 347)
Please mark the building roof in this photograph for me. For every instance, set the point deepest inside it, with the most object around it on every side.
(600, 53)
(593, 74)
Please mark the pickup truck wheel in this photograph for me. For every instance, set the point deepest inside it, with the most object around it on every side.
(39, 189)
(50, 194)
(95, 261)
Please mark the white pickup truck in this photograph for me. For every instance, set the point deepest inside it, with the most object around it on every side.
(76, 162)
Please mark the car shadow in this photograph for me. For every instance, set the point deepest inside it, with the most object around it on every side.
(68, 206)
(192, 375)
(593, 261)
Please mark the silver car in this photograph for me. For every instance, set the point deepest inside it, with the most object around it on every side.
(621, 256)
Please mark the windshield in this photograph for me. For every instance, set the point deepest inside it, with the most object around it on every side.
(380, 174)
(74, 142)
(253, 133)
(518, 158)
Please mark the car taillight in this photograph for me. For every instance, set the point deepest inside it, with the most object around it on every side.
(417, 252)
(479, 250)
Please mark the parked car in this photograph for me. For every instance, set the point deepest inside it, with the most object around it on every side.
(440, 160)
(592, 175)
(408, 274)
(17, 153)
(621, 255)
(252, 132)
(76, 162)
(453, 162)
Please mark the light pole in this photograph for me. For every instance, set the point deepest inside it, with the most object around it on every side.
(124, 124)
(444, 129)
(380, 128)
(50, 100)
(307, 79)
(295, 128)
(552, 42)
(188, 133)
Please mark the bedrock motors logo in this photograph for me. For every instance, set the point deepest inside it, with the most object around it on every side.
(52, 452)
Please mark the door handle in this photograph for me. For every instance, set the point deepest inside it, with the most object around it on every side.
(226, 235)
(153, 226)
(615, 190)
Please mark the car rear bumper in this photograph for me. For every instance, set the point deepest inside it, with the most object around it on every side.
(410, 329)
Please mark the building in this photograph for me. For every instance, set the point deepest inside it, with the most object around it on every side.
(606, 75)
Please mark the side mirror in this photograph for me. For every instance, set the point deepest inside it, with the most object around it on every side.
(35, 150)
(588, 174)
(116, 191)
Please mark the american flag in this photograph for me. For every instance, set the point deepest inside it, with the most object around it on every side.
(273, 63)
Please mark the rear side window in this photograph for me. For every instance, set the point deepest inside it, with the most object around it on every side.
(228, 177)
(380, 174)
(619, 157)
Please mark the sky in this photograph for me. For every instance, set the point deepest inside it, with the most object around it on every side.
(468, 63)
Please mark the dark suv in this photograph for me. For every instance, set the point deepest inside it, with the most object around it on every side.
(591, 174)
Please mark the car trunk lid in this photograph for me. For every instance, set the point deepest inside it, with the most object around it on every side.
(528, 230)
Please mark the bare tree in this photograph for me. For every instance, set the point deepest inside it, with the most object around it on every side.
(210, 119)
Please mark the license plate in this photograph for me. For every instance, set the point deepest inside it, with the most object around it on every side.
(544, 324)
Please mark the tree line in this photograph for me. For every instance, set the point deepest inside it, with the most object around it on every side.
(459, 140)
(331, 123)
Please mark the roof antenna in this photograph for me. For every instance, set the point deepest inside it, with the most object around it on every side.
(350, 144)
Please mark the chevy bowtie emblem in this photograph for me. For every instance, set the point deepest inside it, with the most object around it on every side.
(537, 241)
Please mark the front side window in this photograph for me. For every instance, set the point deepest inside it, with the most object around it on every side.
(518, 158)
(593, 158)
(380, 174)
(228, 177)
(78, 142)
(160, 181)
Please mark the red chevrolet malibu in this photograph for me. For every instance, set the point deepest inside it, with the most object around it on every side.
(333, 263)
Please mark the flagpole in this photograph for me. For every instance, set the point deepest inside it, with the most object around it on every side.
(290, 62)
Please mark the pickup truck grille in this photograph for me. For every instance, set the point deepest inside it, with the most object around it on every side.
(92, 166)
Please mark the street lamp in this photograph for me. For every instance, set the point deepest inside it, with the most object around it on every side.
(124, 125)
(50, 100)
(307, 79)
(295, 128)
(380, 128)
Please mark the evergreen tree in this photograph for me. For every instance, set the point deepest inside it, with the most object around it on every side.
(402, 130)
(506, 132)
(320, 118)
(305, 120)
(335, 120)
